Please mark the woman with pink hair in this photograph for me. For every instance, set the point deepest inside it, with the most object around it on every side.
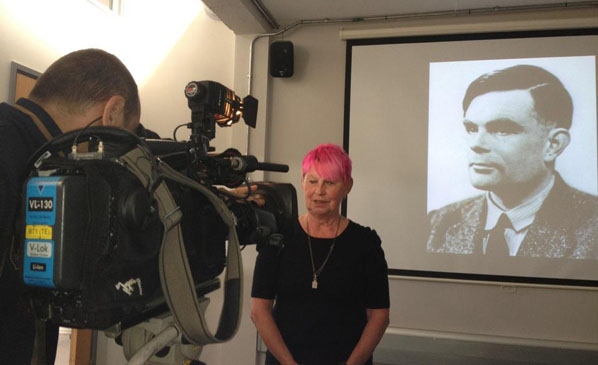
(323, 299)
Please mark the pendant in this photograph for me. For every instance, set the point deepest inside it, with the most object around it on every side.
(314, 284)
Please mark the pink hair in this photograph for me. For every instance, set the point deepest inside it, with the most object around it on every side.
(330, 161)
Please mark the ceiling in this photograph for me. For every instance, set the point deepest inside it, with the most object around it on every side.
(245, 16)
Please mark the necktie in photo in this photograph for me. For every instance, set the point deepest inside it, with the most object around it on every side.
(497, 245)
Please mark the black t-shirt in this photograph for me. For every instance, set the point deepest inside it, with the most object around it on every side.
(324, 323)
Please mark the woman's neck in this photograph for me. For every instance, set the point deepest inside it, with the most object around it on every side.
(323, 227)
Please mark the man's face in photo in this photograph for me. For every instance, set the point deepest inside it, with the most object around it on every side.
(506, 142)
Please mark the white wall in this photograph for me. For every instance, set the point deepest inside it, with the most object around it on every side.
(163, 46)
(308, 109)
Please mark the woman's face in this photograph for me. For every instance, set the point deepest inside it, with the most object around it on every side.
(323, 197)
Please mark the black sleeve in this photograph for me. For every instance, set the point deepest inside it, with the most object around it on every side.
(265, 274)
(11, 168)
(377, 296)
(6, 205)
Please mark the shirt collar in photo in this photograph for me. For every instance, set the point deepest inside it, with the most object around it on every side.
(522, 215)
(42, 115)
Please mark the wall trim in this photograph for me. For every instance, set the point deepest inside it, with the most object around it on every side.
(555, 19)
(502, 340)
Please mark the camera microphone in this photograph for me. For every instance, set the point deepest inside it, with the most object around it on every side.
(276, 167)
(250, 163)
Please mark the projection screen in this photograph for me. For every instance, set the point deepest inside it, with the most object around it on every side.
(433, 179)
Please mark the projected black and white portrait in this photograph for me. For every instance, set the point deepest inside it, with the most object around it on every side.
(448, 133)
(512, 158)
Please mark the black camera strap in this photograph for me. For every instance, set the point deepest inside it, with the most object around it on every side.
(175, 274)
(38, 123)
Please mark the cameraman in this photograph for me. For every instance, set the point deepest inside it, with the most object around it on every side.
(86, 87)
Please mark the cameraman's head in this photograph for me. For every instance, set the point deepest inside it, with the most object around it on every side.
(85, 86)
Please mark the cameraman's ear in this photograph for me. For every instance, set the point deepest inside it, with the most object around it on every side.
(114, 112)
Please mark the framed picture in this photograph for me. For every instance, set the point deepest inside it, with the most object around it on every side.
(22, 79)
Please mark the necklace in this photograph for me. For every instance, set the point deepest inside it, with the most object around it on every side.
(316, 273)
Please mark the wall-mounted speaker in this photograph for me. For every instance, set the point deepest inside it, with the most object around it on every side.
(281, 59)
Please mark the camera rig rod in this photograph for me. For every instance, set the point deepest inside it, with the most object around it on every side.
(162, 339)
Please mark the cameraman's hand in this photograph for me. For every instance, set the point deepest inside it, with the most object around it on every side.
(241, 192)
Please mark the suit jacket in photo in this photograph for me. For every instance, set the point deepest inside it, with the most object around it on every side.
(566, 226)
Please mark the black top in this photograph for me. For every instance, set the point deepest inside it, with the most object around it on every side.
(324, 323)
(19, 139)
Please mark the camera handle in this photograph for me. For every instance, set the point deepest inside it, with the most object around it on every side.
(203, 128)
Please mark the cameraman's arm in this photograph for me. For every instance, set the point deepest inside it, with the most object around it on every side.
(5, 206)
(261, 315)
(9, 200)
(143, 132)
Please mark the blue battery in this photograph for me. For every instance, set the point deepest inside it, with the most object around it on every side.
(55, 215)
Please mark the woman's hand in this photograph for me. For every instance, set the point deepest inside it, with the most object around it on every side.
(377, 321)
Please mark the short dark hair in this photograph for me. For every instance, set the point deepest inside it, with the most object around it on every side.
(552, 101)
(82, 78)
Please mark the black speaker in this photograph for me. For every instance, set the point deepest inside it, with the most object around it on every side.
(281, 59)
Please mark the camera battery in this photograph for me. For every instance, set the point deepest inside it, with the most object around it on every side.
(56, 216)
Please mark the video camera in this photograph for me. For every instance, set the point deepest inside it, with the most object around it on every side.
(136, 229)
